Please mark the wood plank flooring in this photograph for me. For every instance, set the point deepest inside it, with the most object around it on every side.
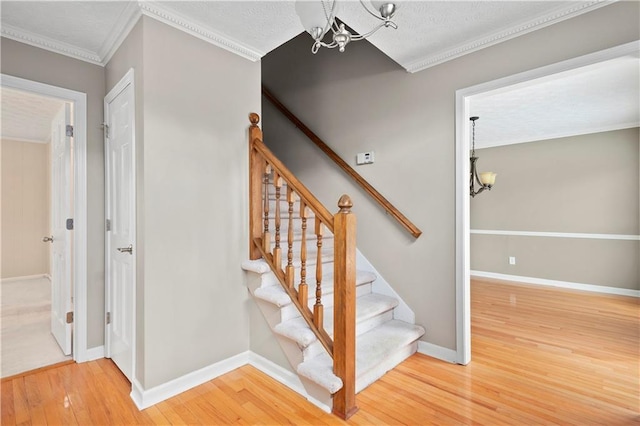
(540, 356)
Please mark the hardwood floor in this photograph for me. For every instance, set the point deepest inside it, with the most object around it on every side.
(540, 356)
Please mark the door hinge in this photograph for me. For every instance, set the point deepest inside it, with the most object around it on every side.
(107, 225)
(69, 317)
(69, 130)
(70, 224)
(105, 126)
(108, 317)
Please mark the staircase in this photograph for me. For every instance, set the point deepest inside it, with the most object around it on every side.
(303, 320)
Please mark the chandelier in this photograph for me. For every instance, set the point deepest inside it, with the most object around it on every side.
(486, 179)
(319, 18)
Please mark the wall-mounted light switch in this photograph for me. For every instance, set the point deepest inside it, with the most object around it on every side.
(512, 260)
(365, 158)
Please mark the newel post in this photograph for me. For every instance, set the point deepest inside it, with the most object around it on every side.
(344, 328)
(256, 167)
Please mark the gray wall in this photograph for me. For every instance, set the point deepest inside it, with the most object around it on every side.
(582, 184)
(31, 63)
(361, 100)
(193, 179)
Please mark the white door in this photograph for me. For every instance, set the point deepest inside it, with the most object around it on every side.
(120, 233)
(60, 237)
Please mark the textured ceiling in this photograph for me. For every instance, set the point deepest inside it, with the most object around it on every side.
(26, 116)
(430, 32)
(600, 97)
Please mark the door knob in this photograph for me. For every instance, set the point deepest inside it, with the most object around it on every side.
(126, 249)
(47, 239)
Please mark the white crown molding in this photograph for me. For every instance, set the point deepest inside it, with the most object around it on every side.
(127, 20)
(123, 27)
(504, 35)
(160, 13)
(24, 140)
(603, 129)
(50, 44)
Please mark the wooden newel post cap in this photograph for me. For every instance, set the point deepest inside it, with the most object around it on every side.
(254, 119)
(345, 204)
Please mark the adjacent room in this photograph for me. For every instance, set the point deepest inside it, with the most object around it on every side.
(28, 125)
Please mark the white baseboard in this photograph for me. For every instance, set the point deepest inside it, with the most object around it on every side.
(25, 278)
(91, 354)
(144, 398)
(435, 351)
(285, 377)
(555, 283)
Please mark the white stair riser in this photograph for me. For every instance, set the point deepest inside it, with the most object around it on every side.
(366, 378)
(311, 244)
(362, 327)
(290, 311)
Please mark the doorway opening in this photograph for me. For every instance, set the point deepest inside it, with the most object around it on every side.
(43, 225)
(464, 110)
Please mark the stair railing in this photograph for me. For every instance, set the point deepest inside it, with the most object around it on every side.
(266, 172)
(378, 197)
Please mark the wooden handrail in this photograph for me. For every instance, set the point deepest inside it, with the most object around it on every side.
(265, 171)
(380, 199)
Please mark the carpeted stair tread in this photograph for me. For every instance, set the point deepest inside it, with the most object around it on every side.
(275, 293)
(367, 306)
(371, 350)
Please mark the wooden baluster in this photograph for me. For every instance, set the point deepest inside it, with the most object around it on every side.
(256, 165)
(266, 237)
(291, 197)
(302, 288)
(318, 309)
(277, 182)
(344, 313)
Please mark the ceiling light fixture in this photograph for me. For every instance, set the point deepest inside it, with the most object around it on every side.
(319, 17)
(486, 179)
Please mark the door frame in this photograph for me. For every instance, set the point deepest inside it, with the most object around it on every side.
(127, 80)
(80, 352)
(463, 139)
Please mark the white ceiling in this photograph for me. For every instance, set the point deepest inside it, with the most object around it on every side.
(27, 117)
(596, 98)
(430, 32)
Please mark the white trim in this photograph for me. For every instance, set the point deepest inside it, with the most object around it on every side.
(144, 398)
(128, 19)
(94, 353)
(158, 12)
(24, 140)
(556, 234)
(285, 377)
(435, 351)
(380, 285)
(79, 101)
(506, 34)
(463, 96)
(516, 279)
(566, 134)
(49, 44)
(24, 278)
(127, 80)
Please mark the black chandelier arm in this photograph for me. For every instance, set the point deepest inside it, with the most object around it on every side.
(475, 178)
